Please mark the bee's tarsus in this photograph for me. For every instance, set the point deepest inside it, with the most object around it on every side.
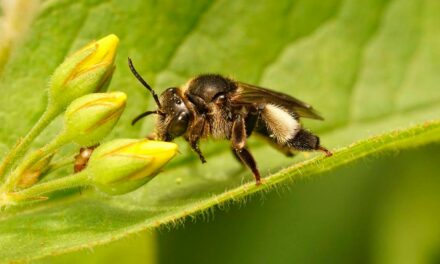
(327, 152)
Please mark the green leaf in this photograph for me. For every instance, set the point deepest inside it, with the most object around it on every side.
(385, 210)
(368, 66)
(137, 249)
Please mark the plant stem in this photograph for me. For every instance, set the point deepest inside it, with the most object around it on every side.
(60, 164)
(23, 144)
(35, 192)
(14, 178)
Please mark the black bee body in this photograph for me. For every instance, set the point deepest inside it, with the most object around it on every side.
(209, 94)
(211, 105)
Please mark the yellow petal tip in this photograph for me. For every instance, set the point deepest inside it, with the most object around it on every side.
(109, 41)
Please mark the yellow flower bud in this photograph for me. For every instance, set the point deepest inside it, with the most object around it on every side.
(123, 165)
(105, 50)
(116, 167)
(86, 71)
(90, 118)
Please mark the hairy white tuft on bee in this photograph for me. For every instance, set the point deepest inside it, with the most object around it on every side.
(281, 124)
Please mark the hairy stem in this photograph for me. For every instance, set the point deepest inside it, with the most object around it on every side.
(60, 164)
(14, 178)
(23, 144)
(37, 191)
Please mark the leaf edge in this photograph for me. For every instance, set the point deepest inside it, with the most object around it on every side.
(393, 140)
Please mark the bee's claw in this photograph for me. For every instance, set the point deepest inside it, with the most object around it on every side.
(327, 152)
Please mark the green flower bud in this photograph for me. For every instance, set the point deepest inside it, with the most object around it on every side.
(90, 118)
(86, 71)
(123, 165)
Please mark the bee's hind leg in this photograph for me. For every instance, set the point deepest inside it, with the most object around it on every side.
(305, 141)
(238, 141)
(285, 149)
(234, 153)
(327, 152)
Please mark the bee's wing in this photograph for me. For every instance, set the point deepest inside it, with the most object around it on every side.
(251, 94)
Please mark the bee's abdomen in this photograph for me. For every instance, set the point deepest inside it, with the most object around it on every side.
(304, 140)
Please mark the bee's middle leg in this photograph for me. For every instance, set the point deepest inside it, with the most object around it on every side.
(238, 141)
(263, 132)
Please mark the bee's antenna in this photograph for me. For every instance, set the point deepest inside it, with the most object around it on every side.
(144, 83)
(144, 114)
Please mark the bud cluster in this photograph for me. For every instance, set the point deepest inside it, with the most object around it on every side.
(77, 88)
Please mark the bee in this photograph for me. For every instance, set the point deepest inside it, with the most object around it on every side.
(211, 105)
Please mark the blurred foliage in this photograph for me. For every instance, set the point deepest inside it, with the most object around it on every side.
(377, 211)
(369, 66)
(140, 248)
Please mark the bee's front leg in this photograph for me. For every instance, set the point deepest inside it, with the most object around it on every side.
(195, 146)
(194, 134)
(238, 141)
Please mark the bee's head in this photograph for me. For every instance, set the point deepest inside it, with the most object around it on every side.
(174, 114)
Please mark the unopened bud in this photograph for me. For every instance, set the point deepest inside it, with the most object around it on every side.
(90, 118)
(86, 71)
(33, 174)
(123, 165)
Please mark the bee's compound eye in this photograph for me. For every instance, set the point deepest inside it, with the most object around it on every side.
(182, 117)
(179, 124)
